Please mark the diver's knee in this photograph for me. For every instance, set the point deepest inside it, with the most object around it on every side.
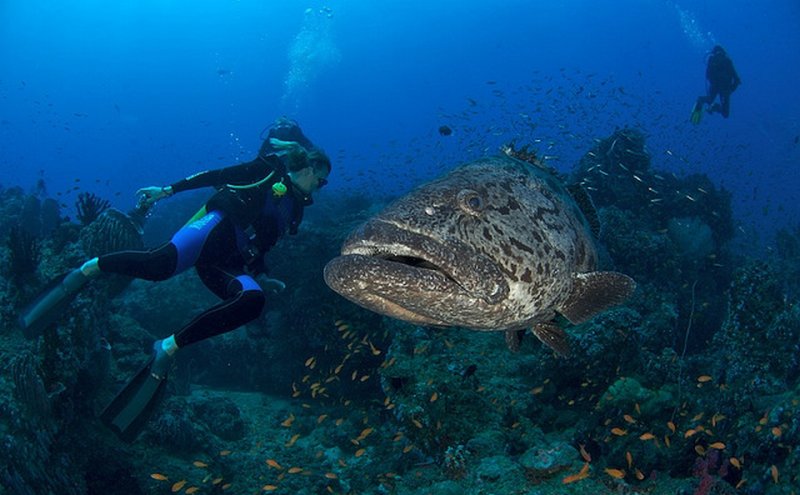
(252, 303)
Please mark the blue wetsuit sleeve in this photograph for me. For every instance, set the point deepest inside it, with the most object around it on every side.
(244, 173)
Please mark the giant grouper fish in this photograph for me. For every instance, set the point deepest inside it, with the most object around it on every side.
(497, 244)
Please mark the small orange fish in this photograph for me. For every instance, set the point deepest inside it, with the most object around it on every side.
(646, 436)
(735, 463)
(776, 431)
(321, 418)
(176, 487)
(774, 471)
(360, 452)
(629, 458)
(689, 433)
(671, 426)
(200, 464)
(407, 449)
(718, 446)
(629, 419)
(582, 474)
(216, 481)
(365, 433)
(288, 421)
(274, 464)
(331, 476)
(416, 423)
(434, 396)
(191, 489)
(223, 453)
(295, 470)
(269, 488)
(615, 473)
(667, 441)
(700, 450)
(226, 486)
(292, 440)
(585, 455)
(639, 475)
(620, 432)
(704, 378)
(159, 477)
(537, 390)
(375, 350)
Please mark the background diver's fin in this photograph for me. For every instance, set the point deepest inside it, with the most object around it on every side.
(697, 113)
(127, 414)
(52, 302)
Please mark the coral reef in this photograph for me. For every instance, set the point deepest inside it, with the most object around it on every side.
(24, 252)
(89, 207)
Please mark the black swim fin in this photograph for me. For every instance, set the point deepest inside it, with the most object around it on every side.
(51, 304)
(127, 414)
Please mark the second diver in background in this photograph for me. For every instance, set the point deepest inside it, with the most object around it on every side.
(721, 80)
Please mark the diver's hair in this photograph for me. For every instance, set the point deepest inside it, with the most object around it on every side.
(319, 159)
(298, 158)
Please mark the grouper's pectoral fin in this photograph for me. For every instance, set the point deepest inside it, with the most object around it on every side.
(514, 339)
(594, 292)
(553, 337)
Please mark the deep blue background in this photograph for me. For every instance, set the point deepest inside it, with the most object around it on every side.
(125, 94)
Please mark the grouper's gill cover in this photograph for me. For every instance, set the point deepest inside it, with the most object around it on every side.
(495, 245)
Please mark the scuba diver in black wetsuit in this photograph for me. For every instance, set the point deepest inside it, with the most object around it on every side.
(256, 203)
(722, 81)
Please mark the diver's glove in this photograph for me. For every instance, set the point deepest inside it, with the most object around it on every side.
(149, 195)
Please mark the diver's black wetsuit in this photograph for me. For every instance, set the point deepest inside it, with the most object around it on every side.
(223, 243)
(722, 80)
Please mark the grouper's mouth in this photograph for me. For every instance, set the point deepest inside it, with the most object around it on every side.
(412, 275)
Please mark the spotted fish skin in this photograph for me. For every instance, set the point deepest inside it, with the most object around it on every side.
(495, 245)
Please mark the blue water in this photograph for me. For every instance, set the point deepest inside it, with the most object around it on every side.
(112, 96)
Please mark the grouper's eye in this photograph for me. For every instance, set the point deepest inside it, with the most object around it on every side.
(470, 201)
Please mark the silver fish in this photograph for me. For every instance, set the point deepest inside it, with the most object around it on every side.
(497, 244)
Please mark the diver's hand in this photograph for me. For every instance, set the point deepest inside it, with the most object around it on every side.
(272, 285)
(149, 195)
